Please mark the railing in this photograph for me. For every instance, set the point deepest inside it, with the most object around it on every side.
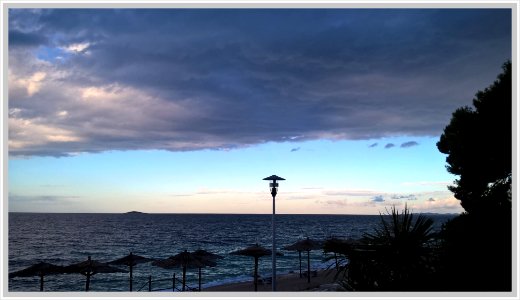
(173, 284)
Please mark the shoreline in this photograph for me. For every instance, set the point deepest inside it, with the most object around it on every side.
(322, 281)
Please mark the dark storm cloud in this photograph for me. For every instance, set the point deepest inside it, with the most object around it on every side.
(373, 145)
(409, 144)
(18, 38)
(295, 149)
(220, 79)
(389, 145)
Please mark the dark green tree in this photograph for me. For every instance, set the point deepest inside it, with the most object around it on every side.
(479, 148)
(477, 249)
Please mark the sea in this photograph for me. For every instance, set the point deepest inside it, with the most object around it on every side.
(67, 238)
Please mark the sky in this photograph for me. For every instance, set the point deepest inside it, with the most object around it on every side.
(187, 110)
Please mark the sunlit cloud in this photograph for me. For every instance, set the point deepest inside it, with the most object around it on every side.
(338, 203)
(353, 192)
(405, 197)
(101, 93)
(449, 204)
(77, 47)
(32, 83)
(29, 132)
(62, 113)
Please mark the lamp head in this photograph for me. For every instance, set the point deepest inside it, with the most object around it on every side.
(273, 185)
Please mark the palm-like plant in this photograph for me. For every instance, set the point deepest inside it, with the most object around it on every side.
(401, 247)
(395, 256)
(401, 231)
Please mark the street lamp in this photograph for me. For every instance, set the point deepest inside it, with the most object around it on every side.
(273, 185)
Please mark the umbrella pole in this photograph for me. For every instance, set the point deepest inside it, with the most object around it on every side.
(131, 277)
(89, 272)
(183, 278)
(87, 284)
(200, 281)
(41, 282)
(308, 266)
(256, 274)
(300, 257)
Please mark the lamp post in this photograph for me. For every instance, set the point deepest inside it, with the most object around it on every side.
(273, 185)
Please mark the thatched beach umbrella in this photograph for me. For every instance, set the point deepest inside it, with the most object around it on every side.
(89, 268)
(130, 260)
(293, 248)
(208, 259)
(206, 254)
(40, 269)
(256, 251)
(305, 245)
(341, 246)
(333, 245)
(184, 260)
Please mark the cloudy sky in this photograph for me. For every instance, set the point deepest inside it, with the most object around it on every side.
(184, 110)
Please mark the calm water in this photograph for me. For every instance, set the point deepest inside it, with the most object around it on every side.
(69, 238)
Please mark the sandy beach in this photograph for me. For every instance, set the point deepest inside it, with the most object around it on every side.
(285, 283)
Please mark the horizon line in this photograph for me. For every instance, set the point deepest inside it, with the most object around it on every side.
(230, 213)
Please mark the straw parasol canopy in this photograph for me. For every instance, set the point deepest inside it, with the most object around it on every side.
(40, 269)
(206, 254)
(340, 246)
(184, 260)
(305, 245)
(208, 259)
(91, 267)
(256, 251)
(130, 260)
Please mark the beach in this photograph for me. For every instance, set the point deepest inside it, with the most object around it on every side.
(323, 280)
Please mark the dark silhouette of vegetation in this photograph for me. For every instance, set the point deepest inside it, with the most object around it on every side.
(478, 144)
(476, 254)
(477, 248)
(395, 257)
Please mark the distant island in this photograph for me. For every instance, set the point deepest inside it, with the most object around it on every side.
(133, 212)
